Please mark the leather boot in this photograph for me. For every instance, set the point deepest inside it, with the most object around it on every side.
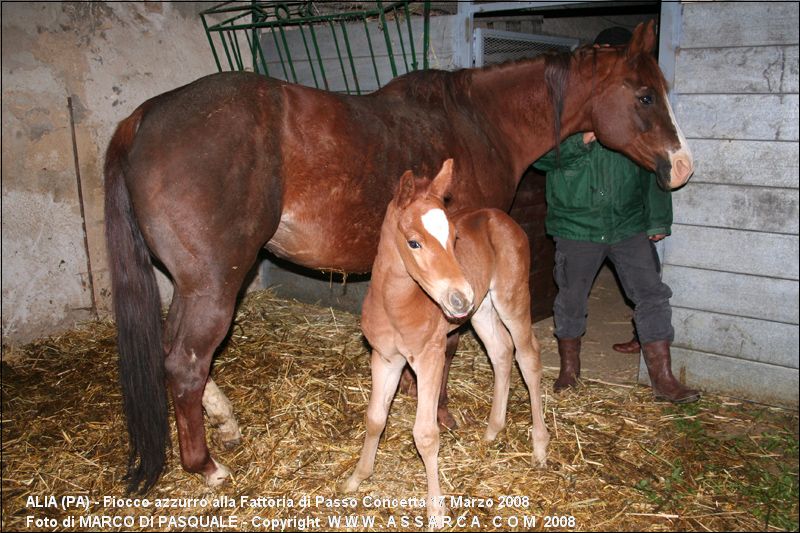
(569, 350)
(632, 346)
(659, 366)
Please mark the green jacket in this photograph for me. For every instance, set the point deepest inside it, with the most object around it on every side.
(599, 195)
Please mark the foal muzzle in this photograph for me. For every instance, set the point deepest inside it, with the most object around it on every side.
(458, 304)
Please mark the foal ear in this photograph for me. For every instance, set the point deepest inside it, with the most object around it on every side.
(406, 189)
(643, 40)
(441, 183)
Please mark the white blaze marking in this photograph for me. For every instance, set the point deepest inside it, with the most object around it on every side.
(684, 145)
(435, 223)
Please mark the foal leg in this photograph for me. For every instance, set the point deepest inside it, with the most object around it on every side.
(443, 415)
(429, 368)
(204, 321)
(408, 384)
(385, 375)
(516, 317)
(499, 348)
(220, 415)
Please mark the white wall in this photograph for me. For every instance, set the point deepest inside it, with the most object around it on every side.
(732, 261)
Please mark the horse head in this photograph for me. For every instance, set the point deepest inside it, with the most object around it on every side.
(425, 237)
(631, 112)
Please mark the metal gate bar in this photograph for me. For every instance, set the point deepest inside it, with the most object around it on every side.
(251, 21)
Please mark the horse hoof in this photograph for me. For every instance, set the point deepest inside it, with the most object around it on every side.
(540, 443)
(218, 477)
(228, 435)
(349, 485)
(490, 435)
(227, 442)
(539, 460)
(446, 420)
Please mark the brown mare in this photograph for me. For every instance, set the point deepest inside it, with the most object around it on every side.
(424, 285)
(204, 176)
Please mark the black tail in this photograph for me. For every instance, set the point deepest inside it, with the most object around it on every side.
(137, 308)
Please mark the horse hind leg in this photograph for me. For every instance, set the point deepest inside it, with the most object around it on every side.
(204, 322)
(515, 316)
(220, 415)
(217, 406)
(499, 347)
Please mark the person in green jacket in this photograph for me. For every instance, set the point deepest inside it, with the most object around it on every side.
(602, 205)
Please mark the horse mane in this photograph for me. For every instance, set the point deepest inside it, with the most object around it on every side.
(556, 77)
(430, 86)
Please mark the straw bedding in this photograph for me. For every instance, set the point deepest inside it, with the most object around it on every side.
(298, 378)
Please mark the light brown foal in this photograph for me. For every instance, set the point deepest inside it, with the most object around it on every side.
(432, 274)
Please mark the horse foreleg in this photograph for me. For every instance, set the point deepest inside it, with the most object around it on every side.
(499, 347)
(204, 323)
(385, 375)
(220, 415)
(429, 368)
(408, 384)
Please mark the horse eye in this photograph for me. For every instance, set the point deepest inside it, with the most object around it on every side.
(646, 99)
(414, 244)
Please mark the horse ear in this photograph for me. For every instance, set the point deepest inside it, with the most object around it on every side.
(441, 183)
(643, 40)
(406, 189)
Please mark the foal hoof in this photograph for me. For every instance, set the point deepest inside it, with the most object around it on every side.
(540, 443)
(349, 485)
(491, 433)
(539, 459)
(218, 477)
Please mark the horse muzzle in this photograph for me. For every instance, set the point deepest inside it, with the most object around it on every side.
(682, 169)
(458, 304)
(674, 171)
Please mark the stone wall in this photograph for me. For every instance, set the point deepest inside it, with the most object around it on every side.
(107, 58)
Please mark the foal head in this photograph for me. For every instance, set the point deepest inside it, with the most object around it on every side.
(424, 238)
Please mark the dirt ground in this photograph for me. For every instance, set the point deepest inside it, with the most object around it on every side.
(609, 322)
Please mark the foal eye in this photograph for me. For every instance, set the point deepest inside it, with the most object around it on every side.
(414, 244)
(646, 99)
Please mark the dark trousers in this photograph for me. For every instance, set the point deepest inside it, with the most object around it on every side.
(639, 271)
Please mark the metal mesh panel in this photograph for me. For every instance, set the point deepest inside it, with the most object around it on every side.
(494, 46)
(497, 50)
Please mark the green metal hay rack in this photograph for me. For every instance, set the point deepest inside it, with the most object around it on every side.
(353, 52)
